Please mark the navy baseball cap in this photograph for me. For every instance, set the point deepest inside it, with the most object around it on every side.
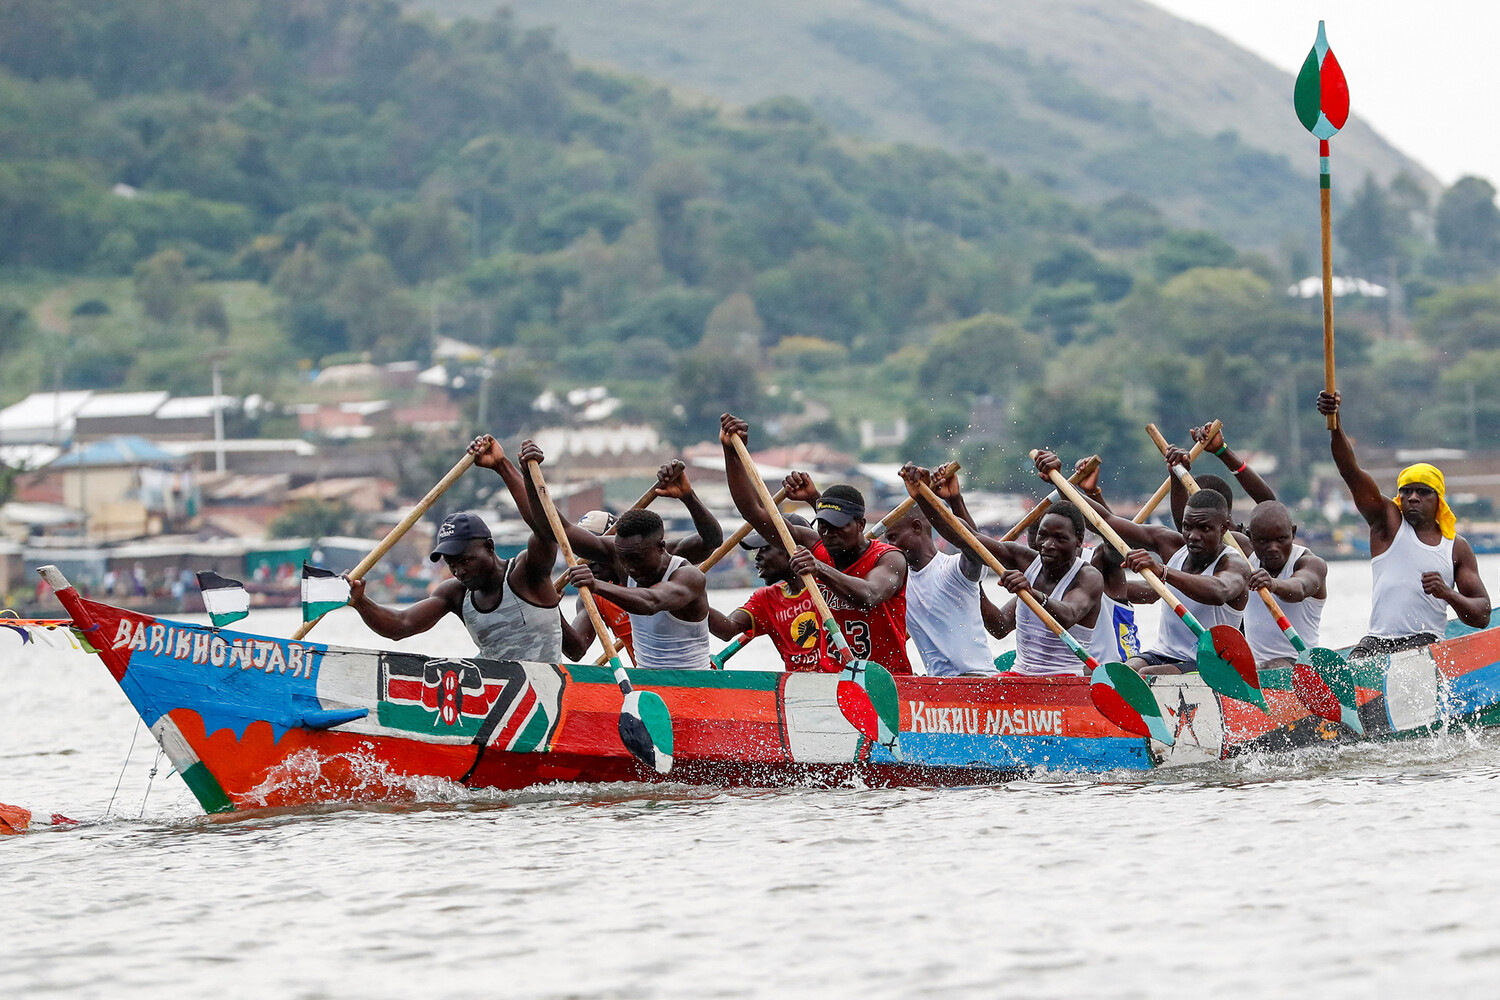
(754, 540)
(839, 505)
(456, 532)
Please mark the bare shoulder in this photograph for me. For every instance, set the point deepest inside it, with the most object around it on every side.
(689, 575)
(451, 593)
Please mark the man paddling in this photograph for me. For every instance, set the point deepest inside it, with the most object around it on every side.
(1054, 572)
(863, 580)
(942, 588)
(1421, 565)
(782, 609)
(1294, 575)
(707, 535)
(508, 606)
(664, 594)
(1209, 578)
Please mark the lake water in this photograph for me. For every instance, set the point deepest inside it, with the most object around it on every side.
(1349, 872)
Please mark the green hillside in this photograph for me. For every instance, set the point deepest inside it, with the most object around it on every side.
(1097, 98)
(293, 185)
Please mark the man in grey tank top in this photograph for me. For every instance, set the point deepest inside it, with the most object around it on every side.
(1415, 574)
(508, 606)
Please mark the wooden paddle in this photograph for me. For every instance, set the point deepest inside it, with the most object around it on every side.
(561, 583)
(866, 691)
(1224, 658)
(1306, 675)
(645, 724)
(394, 535)
(1166, 484)
(1036, 513)
(716, 662)
(742, 533)
(905, 506)
(1120, 694)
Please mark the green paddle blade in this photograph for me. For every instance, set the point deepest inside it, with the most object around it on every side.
(1228, 667)
(1324, 683)
(646, 729)
(1124, 697)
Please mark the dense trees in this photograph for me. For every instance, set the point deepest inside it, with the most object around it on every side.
(378, 179)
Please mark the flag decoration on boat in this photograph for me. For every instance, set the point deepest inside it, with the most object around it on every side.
(226, 600)
(322, 591)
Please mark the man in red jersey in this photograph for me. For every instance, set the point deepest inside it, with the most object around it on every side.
(782, 609)
(864, 581)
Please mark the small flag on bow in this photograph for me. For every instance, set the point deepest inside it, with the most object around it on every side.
(226, 600)
(322, 591)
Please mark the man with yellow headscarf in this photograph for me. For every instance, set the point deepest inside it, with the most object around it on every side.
(1421, 565)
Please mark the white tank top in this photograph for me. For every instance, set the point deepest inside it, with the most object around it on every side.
(1398, 605)
(665, 642)
(1266, 639)
(942, 617)
(1174, 640)
(1038, 651)
(515, 630)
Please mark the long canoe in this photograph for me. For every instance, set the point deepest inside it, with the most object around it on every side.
(252, 721)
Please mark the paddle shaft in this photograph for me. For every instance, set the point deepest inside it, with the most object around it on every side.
(716, 662)
(1325, 202)
(790, 544)
(394, 535)
(905, 506)
(1166, 484)
(1188, 481)
(1035, 514)
(1110, 535)
(988, 558)
(735, 539)
(561, 583)
(560, 530)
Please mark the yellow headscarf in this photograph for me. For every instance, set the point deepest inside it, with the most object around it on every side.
(1423, 474)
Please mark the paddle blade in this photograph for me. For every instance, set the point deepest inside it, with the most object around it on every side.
(1324, 684)
(856, 706)
(1228, 667)
(880, 687)
(646, 729)
(1123, 697)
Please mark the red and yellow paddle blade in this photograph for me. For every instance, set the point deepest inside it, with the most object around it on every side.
(1123, 697)
(1228, 667)
(1321, 95)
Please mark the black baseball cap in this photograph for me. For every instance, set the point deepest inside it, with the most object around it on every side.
(754, 540)
(839, 505)
(456, 532)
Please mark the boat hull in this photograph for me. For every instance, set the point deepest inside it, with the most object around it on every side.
(253, 721)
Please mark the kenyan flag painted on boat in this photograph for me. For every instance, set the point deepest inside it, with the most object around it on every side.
(491, 703)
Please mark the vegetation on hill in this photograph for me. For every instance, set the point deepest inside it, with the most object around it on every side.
(332, 179)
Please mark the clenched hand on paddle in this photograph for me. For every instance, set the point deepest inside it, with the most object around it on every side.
(866, 691)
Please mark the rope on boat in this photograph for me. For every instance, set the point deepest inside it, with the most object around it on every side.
(150, 780)
(133, 734)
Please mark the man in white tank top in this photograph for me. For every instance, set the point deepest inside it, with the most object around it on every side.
(942, 591)
(1296, 577)
(1054, 573)
(1210, 579)
(664, 594)
(508, 606)
(1421, 565)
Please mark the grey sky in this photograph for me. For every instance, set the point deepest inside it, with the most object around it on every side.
(1424, 75)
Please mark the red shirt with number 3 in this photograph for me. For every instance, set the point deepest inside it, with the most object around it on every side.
(877, 633)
